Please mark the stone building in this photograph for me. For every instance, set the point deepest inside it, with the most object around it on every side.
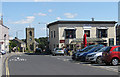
(20, 44)
(4, 36)
(69, 33)
(30, 41)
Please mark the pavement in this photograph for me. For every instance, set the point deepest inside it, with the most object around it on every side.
(27, 64)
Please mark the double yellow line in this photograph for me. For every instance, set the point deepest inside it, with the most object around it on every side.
(7, 68)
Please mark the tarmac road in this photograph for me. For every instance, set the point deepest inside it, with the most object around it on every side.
(24, 64)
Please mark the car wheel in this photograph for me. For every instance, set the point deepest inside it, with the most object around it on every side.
(53, 54)
(98, 60)
(114, 61)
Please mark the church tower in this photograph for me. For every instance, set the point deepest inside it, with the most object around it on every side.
(30, 41)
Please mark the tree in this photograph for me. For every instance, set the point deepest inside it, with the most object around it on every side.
(43, 42)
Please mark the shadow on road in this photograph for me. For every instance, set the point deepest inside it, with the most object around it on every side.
(92, 64)
(36, 53)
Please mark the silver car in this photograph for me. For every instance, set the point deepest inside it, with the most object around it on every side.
(58, 51)
(95, 56)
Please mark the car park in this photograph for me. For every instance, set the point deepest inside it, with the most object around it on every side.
(58, 51)
(111, 55)
(96, 56)
(82, 56)
(75, 54)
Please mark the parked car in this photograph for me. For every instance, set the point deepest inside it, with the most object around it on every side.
(58, 51)
(3, 52)
(96, 56)
(74, 55)
(111, 55)
(82, 56)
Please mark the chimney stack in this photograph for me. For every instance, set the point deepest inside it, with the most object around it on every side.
(92, 19)
(2, 19)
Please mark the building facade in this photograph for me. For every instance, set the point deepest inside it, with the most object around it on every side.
(30, 41)
(69, 33)
(118, 34)
(21, 44)
(4, 36)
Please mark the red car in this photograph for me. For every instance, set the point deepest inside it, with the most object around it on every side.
(111, 55)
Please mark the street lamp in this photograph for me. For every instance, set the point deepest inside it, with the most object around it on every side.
(46, 28)
(17, 33)
(46, 47)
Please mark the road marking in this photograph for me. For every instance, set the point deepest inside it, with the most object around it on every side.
(7, 68)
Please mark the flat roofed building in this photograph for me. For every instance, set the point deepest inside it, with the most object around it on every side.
(69, 33)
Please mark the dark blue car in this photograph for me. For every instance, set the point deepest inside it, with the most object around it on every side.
(75, 55)
(83, 56)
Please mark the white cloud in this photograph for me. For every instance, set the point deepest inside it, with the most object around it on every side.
(58, 18)
(28, 19)
(70, 15)
(40, 14)
(50, 10)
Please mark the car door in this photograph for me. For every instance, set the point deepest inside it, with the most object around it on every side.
(115, 52)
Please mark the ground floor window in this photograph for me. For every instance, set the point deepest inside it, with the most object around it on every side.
(111, 41)
(87, 32)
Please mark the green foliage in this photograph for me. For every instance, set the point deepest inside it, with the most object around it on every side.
(12, 44)
(18, 48)
(26, 48)
(43, 41)
(27, 51)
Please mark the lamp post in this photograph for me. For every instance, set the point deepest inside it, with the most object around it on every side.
(46, 47)
(46, 28)
(17, 33)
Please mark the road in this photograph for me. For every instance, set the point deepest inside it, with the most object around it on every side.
(24, 64)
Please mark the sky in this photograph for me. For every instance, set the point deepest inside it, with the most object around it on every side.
(60, 0)
(19, 15)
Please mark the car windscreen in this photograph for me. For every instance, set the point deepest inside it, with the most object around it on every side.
(86, 49)
(107, 49)
(102, 49)
(95, 49)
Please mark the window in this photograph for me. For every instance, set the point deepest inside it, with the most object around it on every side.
(117, 49)
(30, 39)
(54, 34)
(102, 33)
(111, 41)
(30, 33)
(51, 34)
(70, 33)
(87, 32)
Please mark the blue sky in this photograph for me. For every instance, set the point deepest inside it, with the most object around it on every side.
(18, 15)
